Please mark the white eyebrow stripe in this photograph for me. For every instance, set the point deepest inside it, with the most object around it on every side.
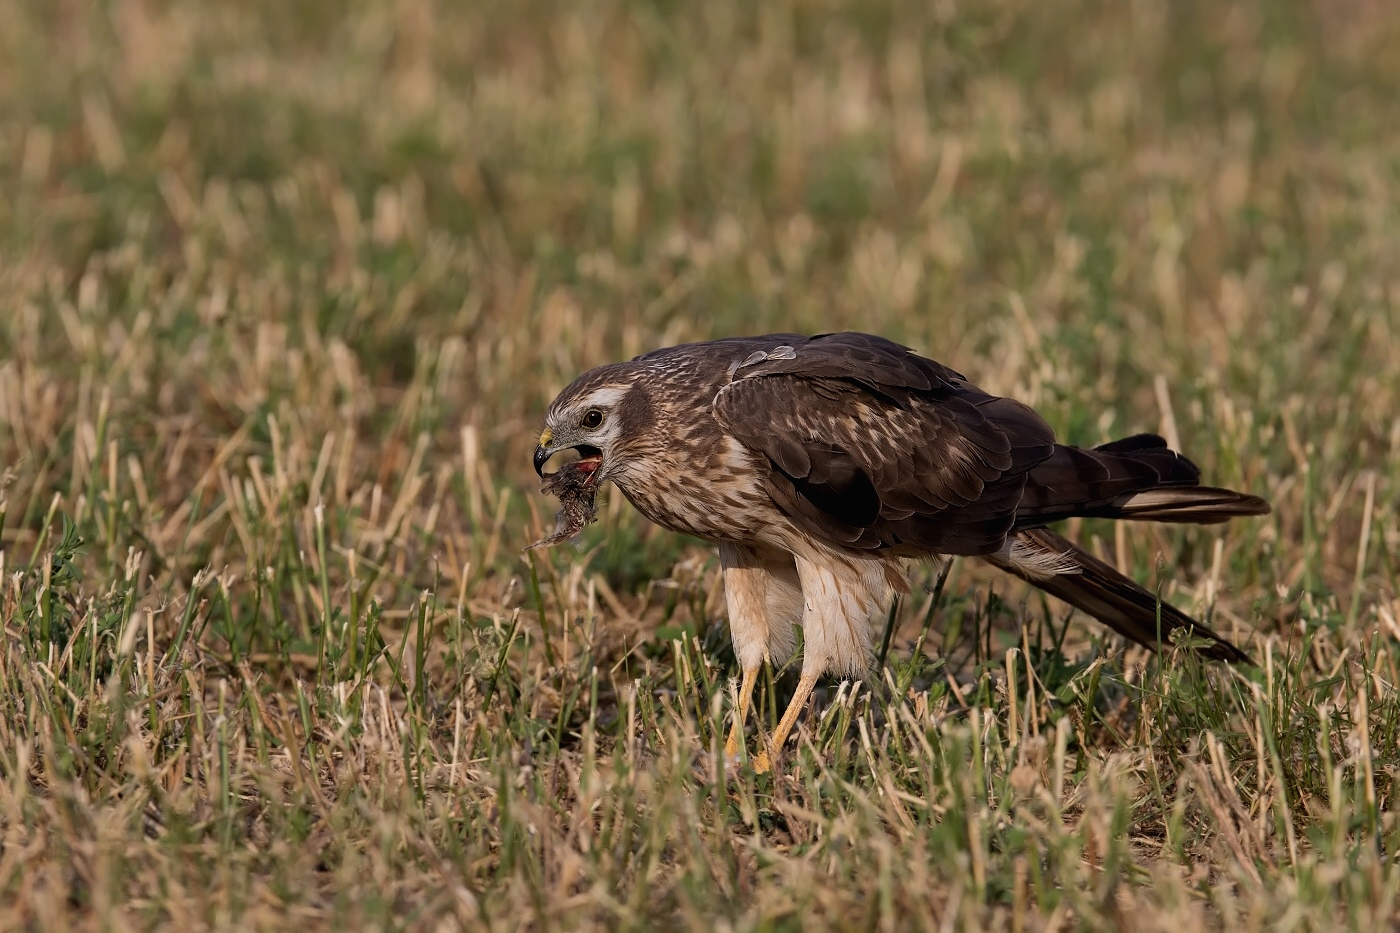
(606, 396)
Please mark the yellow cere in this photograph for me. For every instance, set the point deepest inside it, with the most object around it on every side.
(545, 436)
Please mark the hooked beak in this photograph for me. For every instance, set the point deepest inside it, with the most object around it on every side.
(543, 451)
(590, 458)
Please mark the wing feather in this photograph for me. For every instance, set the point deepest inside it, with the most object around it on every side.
(873, 447)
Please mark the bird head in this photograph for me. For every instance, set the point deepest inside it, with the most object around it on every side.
(600, 416)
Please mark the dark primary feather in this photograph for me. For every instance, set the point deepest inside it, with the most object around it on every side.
(1116, 600)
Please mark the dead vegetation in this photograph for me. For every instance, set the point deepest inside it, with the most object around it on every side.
(284, 289)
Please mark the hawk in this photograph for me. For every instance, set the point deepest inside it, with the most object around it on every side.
(818, 465)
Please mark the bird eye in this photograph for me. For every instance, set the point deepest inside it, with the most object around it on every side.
(592, 418)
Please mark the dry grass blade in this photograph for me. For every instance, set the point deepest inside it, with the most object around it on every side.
(285, 287)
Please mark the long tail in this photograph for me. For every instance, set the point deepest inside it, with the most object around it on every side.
(1138, 478)
(1048, 561)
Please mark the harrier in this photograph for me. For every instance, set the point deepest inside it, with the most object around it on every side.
(819, 464)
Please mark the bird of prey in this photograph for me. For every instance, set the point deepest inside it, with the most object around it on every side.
(818, 465)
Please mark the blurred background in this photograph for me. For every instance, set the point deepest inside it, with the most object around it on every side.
(398, 218)
(396, 229)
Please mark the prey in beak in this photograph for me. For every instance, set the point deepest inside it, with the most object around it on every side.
(588, 459)
(575, 484)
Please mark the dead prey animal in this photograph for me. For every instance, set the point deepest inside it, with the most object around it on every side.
(575, 485)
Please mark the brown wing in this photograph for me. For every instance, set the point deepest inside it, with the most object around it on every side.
(873, 447)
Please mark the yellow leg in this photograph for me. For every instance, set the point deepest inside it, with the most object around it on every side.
(741, 715)
(762, 762)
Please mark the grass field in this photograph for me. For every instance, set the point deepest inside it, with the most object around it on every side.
(284, 289)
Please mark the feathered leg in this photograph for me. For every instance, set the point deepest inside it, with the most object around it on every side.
(764, 599)
(843, 600)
